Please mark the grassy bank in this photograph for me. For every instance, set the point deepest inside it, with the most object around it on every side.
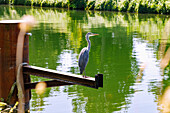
(140, 6)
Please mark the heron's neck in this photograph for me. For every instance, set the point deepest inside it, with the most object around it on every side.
(89, 44)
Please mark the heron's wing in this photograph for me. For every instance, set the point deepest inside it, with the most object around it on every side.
(83, 58)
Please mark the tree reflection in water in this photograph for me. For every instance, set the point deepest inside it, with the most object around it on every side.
(125, 41)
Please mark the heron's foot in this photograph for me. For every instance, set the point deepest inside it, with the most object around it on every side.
(84, 76)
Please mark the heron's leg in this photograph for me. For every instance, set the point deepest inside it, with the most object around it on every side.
(85, 73)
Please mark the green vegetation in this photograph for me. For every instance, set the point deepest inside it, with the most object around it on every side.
(140, 6)
(61, 32)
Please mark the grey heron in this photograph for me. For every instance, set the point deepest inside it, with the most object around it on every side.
(84, 54)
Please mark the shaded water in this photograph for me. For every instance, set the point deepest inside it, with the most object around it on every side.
(125, 42)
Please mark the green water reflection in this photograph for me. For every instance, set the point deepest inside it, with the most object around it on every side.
(125, 41)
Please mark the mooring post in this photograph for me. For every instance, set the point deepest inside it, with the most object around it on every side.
(8, 44)
(99, 80)
(27, 78)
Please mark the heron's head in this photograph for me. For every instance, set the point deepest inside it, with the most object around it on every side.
(91, 34)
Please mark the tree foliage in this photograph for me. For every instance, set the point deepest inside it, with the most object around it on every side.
(140, 6)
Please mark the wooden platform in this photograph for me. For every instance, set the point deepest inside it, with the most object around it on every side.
(60, 78)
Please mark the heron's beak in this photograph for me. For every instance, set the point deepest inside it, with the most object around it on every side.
(95, 34)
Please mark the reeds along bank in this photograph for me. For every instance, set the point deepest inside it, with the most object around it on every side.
(140, 6)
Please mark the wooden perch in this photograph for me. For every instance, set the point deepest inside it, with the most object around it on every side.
(64, 77)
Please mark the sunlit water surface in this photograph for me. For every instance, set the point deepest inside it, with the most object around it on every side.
(125, 43)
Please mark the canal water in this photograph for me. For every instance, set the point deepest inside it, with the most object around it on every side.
(127, 51)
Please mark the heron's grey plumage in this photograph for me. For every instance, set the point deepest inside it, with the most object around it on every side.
(84, 54)
(83, 59)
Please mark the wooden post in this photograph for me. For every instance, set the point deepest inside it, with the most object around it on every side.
(8, 42)
(99, 80)
(27, 78)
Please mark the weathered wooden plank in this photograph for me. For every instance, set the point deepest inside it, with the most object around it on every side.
(8, 40)
(51, 83)
(61, 76)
